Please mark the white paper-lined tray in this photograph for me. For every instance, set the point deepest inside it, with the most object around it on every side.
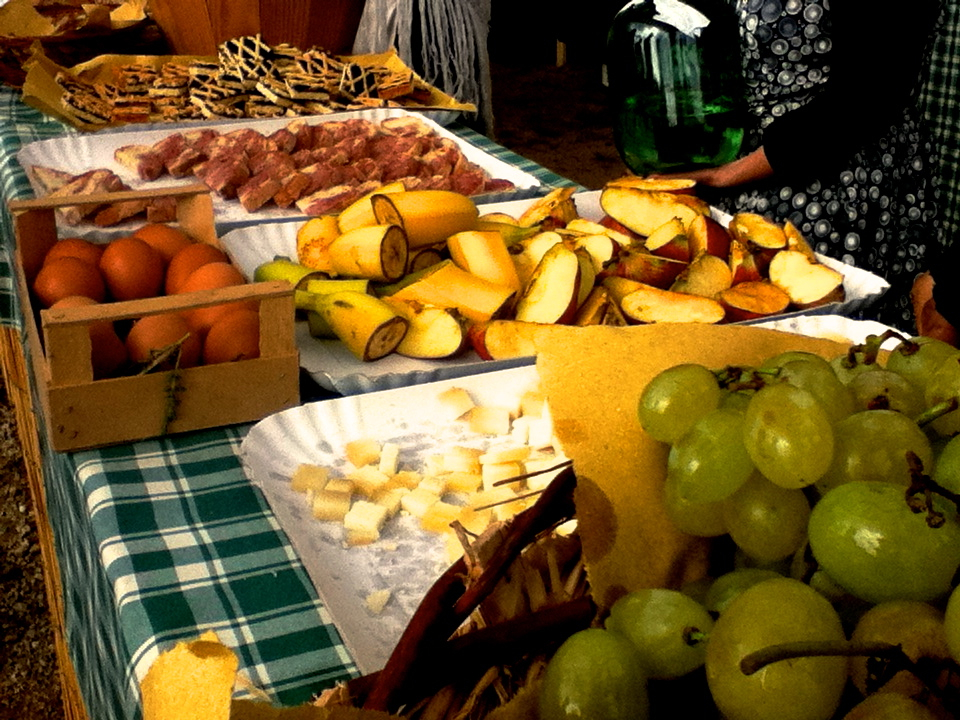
(407, 560)
(335, 368)
(80, 152)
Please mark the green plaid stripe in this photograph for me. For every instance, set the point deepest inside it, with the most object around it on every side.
(940, 99)
(161, 540)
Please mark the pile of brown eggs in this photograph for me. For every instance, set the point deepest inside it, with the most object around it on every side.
(155, 260)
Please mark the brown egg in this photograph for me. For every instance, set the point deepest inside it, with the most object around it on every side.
(75, 247)
(165, 239)
(108, 353)
(233, 336)
(152, 334)
(67, 276)
(211, 277)
(132, 269)
(189, 259)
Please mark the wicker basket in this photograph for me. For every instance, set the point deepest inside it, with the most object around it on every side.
(71, 48)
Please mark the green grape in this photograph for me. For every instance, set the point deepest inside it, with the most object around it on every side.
(766, 521)
(943, 385)
(736, 400)
(873, 445)
(951, 623)
(845, 371)
(946, 469)
(917, 627)
(885, 389)
(889, 706)
(788, 435)
(771, 612)
(710, 461)
(872, 543)
(694, 518)
(780, 359)
(594, 674)
(818, 378)
(918, 359)
(668, 628)
(675, 399)
(727, 588)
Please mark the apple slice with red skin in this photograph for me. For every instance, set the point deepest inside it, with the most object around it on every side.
(505, 339)
(648, 304)
(752, 300)
(743, 264)
(599, 309)
(805, 281)
(553, 290)
(706, 235)
(707, 276)
(670, 241)
(796, 241)
(620, 229)
(642, 266)
(643, 211)
(589, 227)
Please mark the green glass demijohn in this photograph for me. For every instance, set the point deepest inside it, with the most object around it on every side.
(676, 84)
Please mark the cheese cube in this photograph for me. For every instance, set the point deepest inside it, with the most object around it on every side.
(418, 500)
(368, 480)
(495, 472)
(454, 403)
(364, 451)
(436, 484)
(330, 505)
(408, 479)
(463, 482)
(462, 459)
(343, 485)
(309, 477)
(389, 455)
(363, 522)
(490, 420)
(438, 517)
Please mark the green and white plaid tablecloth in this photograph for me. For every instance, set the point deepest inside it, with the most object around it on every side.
(161, 540)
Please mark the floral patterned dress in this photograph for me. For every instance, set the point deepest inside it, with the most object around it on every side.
(853, 171)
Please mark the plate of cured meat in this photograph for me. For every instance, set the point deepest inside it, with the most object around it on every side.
(267, 170)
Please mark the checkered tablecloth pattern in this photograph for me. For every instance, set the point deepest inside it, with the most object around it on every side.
(161, 540)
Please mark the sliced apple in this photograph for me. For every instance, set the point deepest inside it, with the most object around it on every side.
(643, 211)
(642, 266)
(648, 304)
(553, 291)
(620, 229)
(589, 227)
(670, 241)
(756, 231)
(796, 241)
(752, 300)
(707, 276)
(528, 253)
(620, 287)
(432, 333)
(806, 282)
(553, 210)
(504, 339)
(600, 248)
(599, 309)
(672, 185)
(743, 264)
(706, 235)
(588, 275)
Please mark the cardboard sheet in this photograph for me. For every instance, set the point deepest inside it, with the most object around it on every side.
(593, 378)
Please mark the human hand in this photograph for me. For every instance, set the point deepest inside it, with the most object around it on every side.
(930, 323)
(738, 172)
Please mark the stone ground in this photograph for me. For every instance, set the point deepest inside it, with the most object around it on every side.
(556, 116)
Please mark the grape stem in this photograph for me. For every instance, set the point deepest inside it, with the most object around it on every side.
(870, 348)
(759, 659)
(920, 493)
(936, 411)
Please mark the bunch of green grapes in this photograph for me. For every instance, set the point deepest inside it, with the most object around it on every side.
(837, 483)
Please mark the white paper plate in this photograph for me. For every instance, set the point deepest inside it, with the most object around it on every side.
(335, 368)
(80, 152)
(407, 560)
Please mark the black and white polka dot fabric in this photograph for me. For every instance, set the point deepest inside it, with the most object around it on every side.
(879, 213)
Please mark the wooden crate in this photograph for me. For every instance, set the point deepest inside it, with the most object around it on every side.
(196, 27)
(81, 412)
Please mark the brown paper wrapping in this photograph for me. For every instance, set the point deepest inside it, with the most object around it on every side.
(42, 92)
(593, 378)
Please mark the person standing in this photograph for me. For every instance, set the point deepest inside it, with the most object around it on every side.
(835, 142)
